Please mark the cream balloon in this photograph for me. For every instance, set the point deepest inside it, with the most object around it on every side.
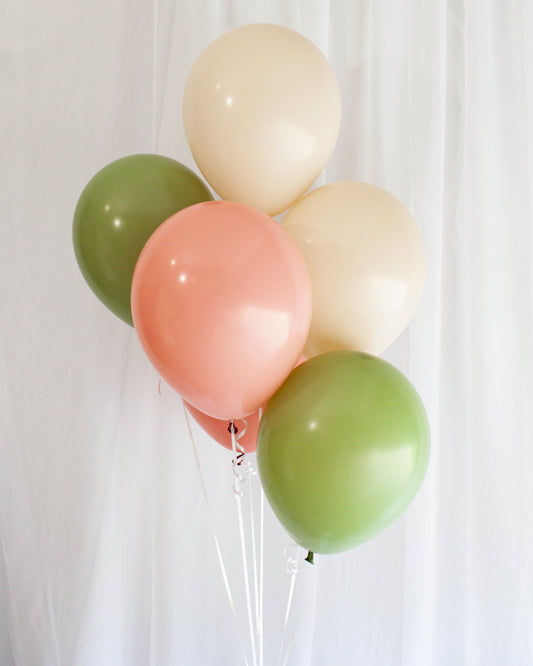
(261, 111)
(366, 259)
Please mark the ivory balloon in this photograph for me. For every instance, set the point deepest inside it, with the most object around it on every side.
(261, 112)
(366, 259)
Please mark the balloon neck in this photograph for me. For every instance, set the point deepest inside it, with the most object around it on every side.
(232, 428)
(310, 557)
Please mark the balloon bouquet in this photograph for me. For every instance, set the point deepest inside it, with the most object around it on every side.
(224, 299)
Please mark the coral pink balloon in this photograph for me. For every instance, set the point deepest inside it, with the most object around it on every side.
(220, 429)
(221, 302)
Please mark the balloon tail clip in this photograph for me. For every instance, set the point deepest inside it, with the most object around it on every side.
(310, 557)
(240, 459)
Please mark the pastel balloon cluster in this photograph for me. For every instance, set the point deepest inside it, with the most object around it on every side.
(225, 300)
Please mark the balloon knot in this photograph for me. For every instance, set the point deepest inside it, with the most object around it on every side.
(310, 557)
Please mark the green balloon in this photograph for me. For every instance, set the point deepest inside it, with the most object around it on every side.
(342, 449)
(117, 212)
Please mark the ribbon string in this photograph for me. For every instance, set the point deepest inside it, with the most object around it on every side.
(291, 553)
(240, 461)
(215, 537)
(243, 487)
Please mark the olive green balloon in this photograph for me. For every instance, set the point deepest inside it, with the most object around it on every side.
(342, 449)
(117, 212)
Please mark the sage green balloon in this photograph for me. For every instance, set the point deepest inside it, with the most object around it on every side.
(342, 449)
(117, 212)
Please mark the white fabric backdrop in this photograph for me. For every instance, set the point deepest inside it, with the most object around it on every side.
(107, 544)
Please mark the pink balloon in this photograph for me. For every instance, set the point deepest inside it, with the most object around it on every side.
(220, 429)
(221, 302)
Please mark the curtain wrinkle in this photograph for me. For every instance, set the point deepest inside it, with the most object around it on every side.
(28, 592)
(6, 651)
(93, 567)
(112, 494)
(154, 74)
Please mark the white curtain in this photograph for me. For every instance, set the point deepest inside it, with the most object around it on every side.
(108, 554)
